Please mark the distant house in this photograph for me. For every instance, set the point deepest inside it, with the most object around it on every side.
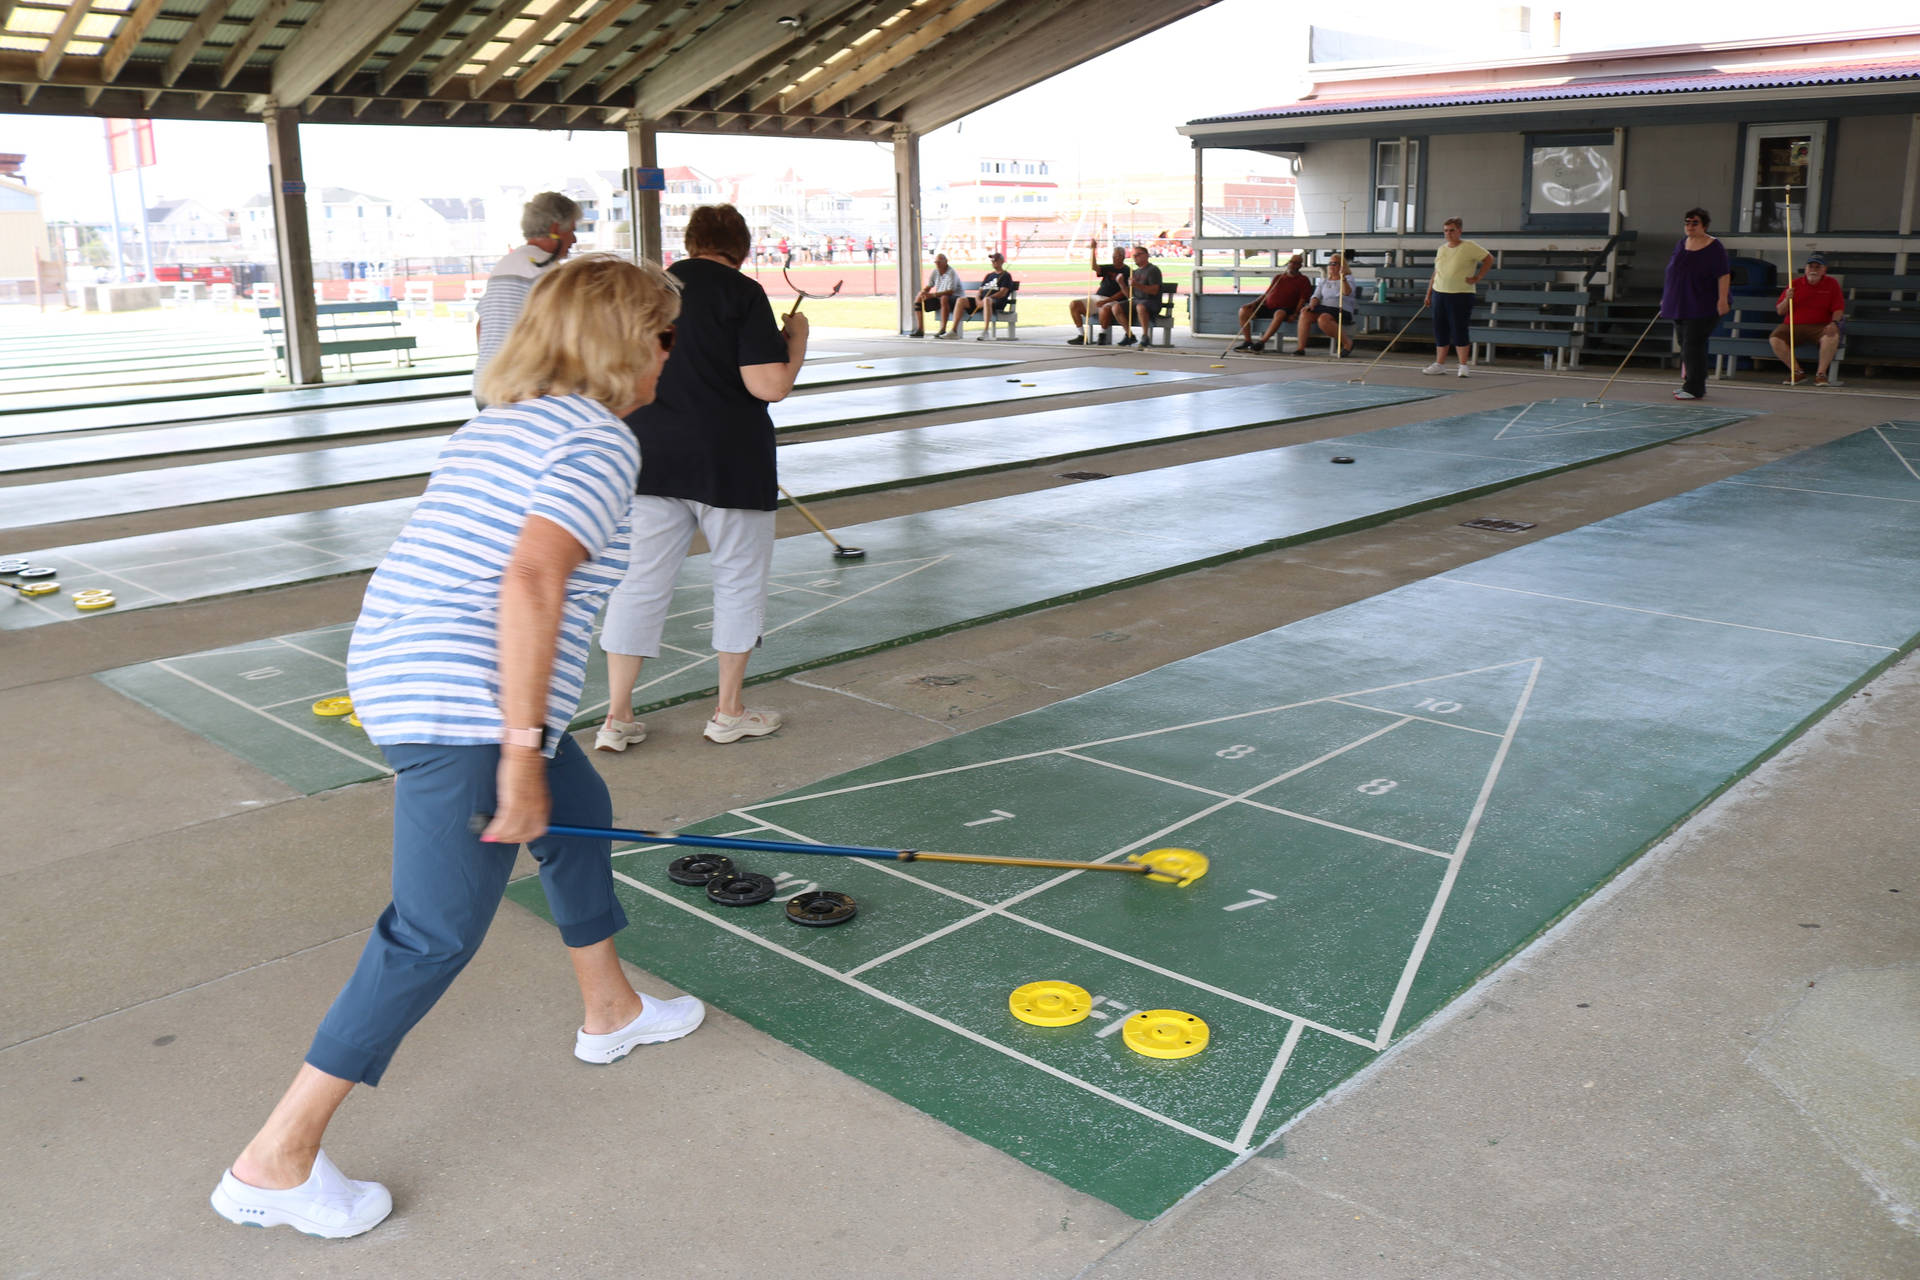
(186, 231)
(23, 232)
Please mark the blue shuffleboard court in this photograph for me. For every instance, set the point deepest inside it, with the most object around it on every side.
(1394, 796)
(181, 410)
(942, 570)
(249, 555)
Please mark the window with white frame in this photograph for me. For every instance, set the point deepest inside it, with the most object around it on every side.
(1781, 172)
(1388, 165)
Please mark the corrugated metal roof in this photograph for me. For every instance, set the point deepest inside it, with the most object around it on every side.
(1616, 87)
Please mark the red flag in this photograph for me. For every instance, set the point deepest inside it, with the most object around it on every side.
(129, 145)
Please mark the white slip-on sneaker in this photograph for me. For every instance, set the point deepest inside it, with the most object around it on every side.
(1435, 367)
(327, 1204)
(618, 735)
(1462, 373)
(749, 724)
(660, 1021)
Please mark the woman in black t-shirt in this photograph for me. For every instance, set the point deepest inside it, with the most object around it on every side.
(706, 462)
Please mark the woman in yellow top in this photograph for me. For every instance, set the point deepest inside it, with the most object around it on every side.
(1458, 265)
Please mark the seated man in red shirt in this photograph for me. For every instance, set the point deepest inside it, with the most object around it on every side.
(1818, 305)
(1285, 295)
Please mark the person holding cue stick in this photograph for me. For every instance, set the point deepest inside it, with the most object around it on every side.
(465, 667)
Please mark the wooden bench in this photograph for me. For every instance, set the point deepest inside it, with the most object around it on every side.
(1527, 307)
(1397, 295)
(1882, 325)
(347, 329)
(1744, 332)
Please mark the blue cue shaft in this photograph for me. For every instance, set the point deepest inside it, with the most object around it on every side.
(831, 850)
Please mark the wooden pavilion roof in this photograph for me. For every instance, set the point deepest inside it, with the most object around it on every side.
(786, 68)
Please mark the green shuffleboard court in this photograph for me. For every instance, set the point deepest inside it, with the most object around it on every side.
(250, 555)
(942, 570)
(145, 393)
(1395, 797)
(248, 403)
(126, 492)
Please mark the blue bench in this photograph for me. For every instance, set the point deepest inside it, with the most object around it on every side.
(1527, 308)
(347, 329)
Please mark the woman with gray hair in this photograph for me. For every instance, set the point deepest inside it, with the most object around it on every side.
(547, 221)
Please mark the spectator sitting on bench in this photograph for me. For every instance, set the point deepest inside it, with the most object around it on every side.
(995, 289)
(1818, 308)
(1331, 310)
(547, 221)
(1285, 295)
(942, 294)
(1143, 298)
(1111, 290)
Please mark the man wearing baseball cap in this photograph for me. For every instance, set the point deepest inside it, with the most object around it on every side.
(995, 288)
(1816, 313)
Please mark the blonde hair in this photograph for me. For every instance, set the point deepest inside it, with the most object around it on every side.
(588, 329)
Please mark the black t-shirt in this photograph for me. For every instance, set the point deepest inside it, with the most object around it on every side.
(1113, 280)
(994, 281)
(705, 436)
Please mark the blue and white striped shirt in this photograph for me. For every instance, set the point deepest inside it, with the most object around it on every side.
(424, 662)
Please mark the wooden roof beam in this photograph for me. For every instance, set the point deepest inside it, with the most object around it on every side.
(256, 35)
(734, 42)
(899, 51)
(687, 29)
(366, 51)
(550, 64)
(538, 29)
(210, 17)
(125, 37)
(484, 30)
(774, 96)
(333, 41)
(988, 37)
(617, 46)
(402, 62)
(826, 25)
(62, 36)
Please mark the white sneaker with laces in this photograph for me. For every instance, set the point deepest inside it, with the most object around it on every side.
(327, 1204)
(660, 1021)
(1435, 367)
(618, 735)
(749, 724)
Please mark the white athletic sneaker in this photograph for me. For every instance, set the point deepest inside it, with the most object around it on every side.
(328, 1203)
(749, 724)
(1435, 367)
(660, 1021)
(1462, 373)
(618, 735)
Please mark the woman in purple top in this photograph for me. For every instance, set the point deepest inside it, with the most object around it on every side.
(1695, 297)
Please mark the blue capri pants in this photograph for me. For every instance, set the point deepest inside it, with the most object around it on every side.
(1452, 312)
(447, 884)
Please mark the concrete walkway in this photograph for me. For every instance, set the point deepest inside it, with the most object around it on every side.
(1699, 1073)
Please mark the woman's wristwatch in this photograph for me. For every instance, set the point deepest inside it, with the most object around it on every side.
(534, 738)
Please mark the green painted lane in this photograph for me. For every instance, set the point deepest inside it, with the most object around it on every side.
(835, 407)
(228, 559)
(818, 374)
(85, 354)
(39, 371)
(1396, 797)
(939, 571)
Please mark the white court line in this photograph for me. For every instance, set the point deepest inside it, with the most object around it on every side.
(1444, 724)
(305, 733)
(1352, 831)
(935, 1019)
(134, 583)
(1267, 1086)
(311, 653)
(832, 603)
(1830, 493)
(1879, 431)
(1432, 922)
(1659, 613)
(747, 810)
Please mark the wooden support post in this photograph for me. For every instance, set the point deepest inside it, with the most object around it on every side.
(293, 246)
(643, 152)
(906, 206)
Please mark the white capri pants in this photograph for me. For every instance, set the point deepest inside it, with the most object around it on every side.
(742, 554)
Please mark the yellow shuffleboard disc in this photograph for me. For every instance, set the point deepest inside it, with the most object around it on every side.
(1164, 1033)
(333, 707)
(87, 600)
(1050, 1003)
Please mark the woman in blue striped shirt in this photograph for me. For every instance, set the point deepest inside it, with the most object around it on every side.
(465, 668)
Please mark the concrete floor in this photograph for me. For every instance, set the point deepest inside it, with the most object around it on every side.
(1710, 1069)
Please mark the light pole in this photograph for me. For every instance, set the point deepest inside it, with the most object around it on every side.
(1132, 202)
